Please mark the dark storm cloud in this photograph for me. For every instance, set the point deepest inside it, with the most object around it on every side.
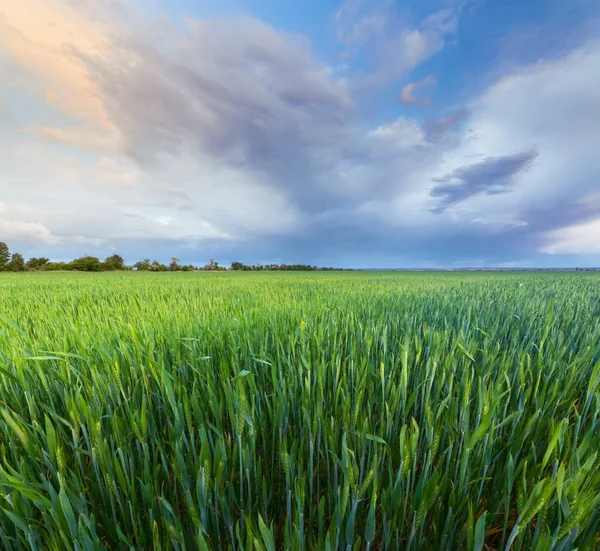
(491, 176)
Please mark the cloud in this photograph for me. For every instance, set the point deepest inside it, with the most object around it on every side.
(356, 22)
(20, 230)
(236, 89)
(80, 137)
(231, 126)
(408, 96)
(96, 242)
(499, 223)
(402, 49)
(436, 128)
(395, 47)
(43, 37)
(249, 99)
(578, 239)
(236, 92)
(492, 176)
(402, 133)
(550, 104)
(229, 138)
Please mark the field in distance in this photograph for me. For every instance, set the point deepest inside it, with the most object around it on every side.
(306, 411)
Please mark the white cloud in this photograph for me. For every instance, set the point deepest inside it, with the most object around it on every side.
(578, 239)
(22, 230)
(80, 239)
(402, 133)
(500, 222)
(551, 106)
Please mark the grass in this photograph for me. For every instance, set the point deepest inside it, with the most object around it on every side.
(278, 411)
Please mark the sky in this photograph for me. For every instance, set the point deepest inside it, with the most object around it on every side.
(347, 133)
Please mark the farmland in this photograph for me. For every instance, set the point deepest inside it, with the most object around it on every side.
(299, 411)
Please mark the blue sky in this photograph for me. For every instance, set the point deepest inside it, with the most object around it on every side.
(352, 133)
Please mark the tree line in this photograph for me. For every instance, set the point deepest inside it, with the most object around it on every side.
(240, 267)
(15, 262)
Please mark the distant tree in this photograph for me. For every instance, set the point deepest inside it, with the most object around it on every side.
(57, 266)
(174, 266)
(142, 265)
(86, 264)
(211, 266)
(156, 266)
(4, 256)
(114, 262)
(37, 263)
(17, 263)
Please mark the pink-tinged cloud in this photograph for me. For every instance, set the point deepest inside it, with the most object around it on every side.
(47, 38)
(410, 93)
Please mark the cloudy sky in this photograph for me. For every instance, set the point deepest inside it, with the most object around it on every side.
(354, 133)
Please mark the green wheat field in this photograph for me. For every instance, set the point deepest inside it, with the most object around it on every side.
(301, 411)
